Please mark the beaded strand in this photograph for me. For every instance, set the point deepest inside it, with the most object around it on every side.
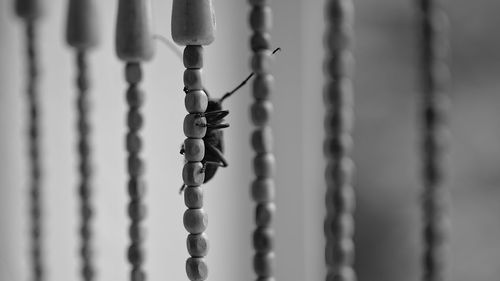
(338, 96)
(193, 25)
(30, 11)
(134, 45)
(264, 164)
(434, 82)
(81, 34)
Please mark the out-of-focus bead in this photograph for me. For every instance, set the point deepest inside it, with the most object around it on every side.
(264, 165)
(262, 140)
(261, 19)
(263, 190)
(260, 112)
(81, 27)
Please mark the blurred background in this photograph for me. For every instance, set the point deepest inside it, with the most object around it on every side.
(387, 184)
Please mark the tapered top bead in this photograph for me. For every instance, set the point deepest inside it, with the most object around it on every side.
(193, 22)
(29, 9)
(81, 30)
(134, 38)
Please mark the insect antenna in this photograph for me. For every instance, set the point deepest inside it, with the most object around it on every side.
(228, 94)
(169, 44)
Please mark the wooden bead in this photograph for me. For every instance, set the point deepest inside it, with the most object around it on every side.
(335, 146)
(196, 101)
(29, 9)
(194, 150)
(263, 86)
(193, 197)
(197, 245)
(258, 2)
(263, 190)
(262, 140)
(192, 174)
(193, 22)
(341, 120)
(341, 225)
(264, 213)
(135, 255)
(261, 62)
(260, 41)
(134, 119)
(341, 65)
(134, 37)
(263, 239)
(196, 269)
(136, 210)
(133, 73)
(195, 221)
(264, 165)
(193, 56)
(136, 188)
(340, 200)
(192, 79)
(342, 273)
(135, 96)
(81, 28)
(260, 112)
(133, 143)
(195, 126)
(261, 19)
(137, 233)
(135, 165)
(137, 274)
(263, 264)
(338, 92)
(340, 173)
(341, 10)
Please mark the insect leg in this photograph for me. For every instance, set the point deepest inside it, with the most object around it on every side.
(182, 149)
(212, 149)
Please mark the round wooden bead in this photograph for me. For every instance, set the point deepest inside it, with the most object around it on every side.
(262, 140)
(134, 37)
(193, 197)
(29, 9)
(261, 19)
(263, 264)
(136, 210)
(193, 174)
(340, 200)
(263, 190)
(338, 92)
(335, 146)
(260, 41)
(135, 165)
(133, 143)
(258, 2)
(195, 221)
(193, 22)
(195, 126)
(340, 120)
(196, 269)
(134, 119)
(136, 232)
(260, 112)
(197, 245)
(341, 65)
(263, 239)
(341, 273)
(135, 96)
(194, 150)
(341, 225)
(261, 62)
(263, 86)
(196, 101)
(135, 255)
(264, 165)
(264, 213)
(81, 28)
(341, 11)
(340, 173)
(136, 188)
(133, 73)
(193, 56)
(137, 274)
(192, 79)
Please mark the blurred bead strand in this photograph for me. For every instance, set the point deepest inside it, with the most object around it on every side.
(193, 26)
(434, 82)
(81, 35)
(264, 163)
(30, 12)
(338, 96)
(134, 45)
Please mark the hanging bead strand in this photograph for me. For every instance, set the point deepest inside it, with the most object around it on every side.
(81, 35)
(434, 82)
(134, 45)
(193, 25)
(30, 11)
(338, 96)
(262, 187)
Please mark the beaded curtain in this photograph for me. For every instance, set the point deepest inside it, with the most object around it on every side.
(385, 129)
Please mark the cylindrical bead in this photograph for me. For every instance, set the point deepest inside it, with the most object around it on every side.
(29, 9)
(195, 221)
(134, 35)
(133, 73)
(261, 19)
(194, 150)
(197, 245)
(135, 255)
(263, 264)
(264, 213)
(196, 269)
(261, 62)
(263, 239)
(82, 29)
(260, 112)
(193, 174)
(192, 79)
(262, 86)
(193, 56)
(262, 140)
(260, 41)
(195, 126)
(263, 190)
(193, 197)
(196, 101)
(193, 22)
(264, 165)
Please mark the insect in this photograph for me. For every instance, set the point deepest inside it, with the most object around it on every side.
(214, 137)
